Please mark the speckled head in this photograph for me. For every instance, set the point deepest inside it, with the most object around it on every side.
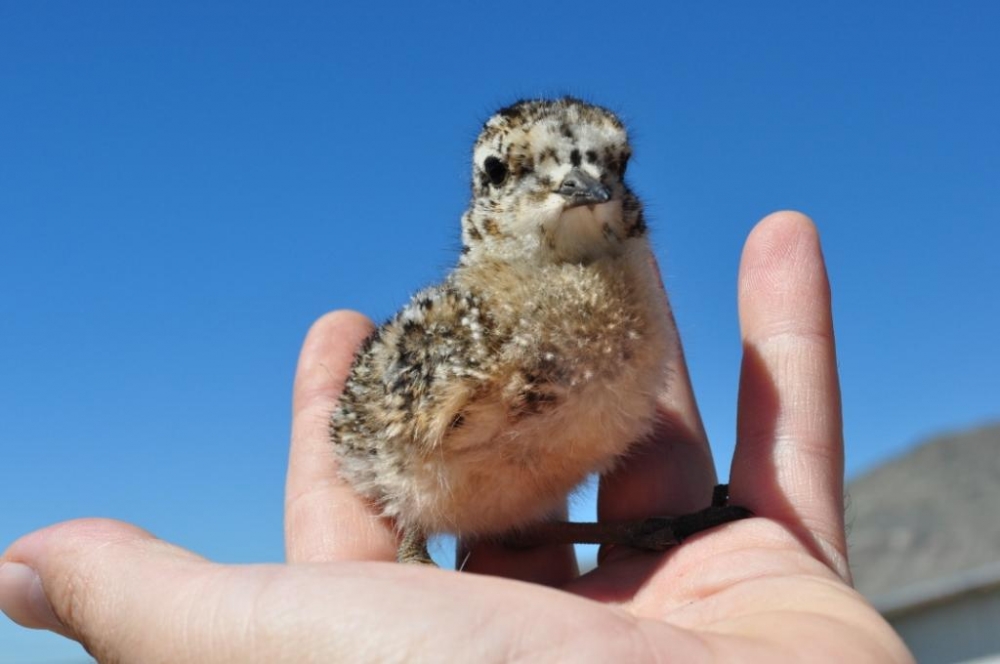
(548, 184)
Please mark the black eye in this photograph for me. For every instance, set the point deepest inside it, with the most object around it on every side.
(495, 169)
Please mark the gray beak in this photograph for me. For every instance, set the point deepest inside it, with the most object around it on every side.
(579, 188)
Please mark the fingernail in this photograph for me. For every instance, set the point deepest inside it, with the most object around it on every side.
(23, 599)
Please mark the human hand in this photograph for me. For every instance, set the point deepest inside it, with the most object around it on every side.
(775, 587)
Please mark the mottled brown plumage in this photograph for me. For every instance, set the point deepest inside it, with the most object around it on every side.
(488, 398)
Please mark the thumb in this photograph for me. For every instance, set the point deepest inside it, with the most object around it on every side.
(93, 578)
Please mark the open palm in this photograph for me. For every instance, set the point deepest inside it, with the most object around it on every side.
(774, 587)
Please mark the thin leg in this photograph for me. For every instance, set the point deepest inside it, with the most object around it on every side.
(652, 534)
(413, 549)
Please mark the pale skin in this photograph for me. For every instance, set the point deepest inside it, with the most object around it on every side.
(772, 588)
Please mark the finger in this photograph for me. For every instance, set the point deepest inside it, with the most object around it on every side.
(68, 578)
(324, 518)
(672, 472)
(789, 459)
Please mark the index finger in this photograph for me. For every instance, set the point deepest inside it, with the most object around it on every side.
(324, 518)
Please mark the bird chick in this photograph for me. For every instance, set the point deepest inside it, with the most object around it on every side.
(488, 398)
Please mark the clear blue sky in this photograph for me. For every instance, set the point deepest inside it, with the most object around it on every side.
(185, 186)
